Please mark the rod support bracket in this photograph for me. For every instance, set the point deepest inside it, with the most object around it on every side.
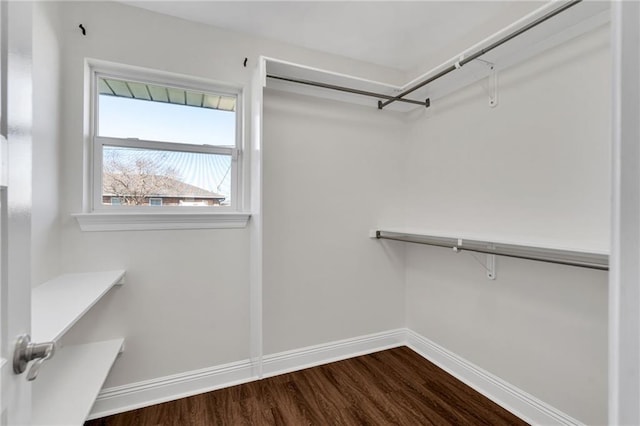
(491, 266)
(493, 85)
(427, 103)
(490, 85)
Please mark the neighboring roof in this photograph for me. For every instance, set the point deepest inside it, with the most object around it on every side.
(162, 187)
(152, 92)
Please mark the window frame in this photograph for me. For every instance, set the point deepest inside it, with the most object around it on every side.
(97, 143)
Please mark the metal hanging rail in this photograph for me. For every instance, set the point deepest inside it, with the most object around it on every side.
(464, 61)
(558, 256)
(425, 103)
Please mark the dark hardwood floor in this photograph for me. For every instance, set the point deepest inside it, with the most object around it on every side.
(392, 387)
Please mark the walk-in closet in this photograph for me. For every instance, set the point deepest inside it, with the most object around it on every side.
(320, 212)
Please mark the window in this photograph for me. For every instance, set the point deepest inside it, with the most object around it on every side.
(168, 144)
(165, 152)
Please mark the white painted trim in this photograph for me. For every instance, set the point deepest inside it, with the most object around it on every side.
(159, 221)
(311, 356)
(255, 230)
(513, 399)
(149, 392)
(142, 394)
(615, 302)
(624, 291)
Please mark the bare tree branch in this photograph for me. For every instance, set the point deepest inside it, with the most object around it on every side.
(137, 178)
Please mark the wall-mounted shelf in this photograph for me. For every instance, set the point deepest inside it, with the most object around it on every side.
(68, 384)
(585, 259)
(295, 71)
(571, 23)
(59, 303)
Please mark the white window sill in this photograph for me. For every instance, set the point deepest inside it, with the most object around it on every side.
(141, 221)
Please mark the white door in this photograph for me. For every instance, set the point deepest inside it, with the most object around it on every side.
(15, 204)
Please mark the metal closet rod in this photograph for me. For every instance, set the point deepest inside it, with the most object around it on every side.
(603, 265)
(425, 103)
(398, 98)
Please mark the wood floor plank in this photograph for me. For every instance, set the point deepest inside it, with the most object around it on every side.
(392, 387)
(416, 400)
(459, 396)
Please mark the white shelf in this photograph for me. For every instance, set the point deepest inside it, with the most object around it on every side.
(57, 304)
(521, 240)
(68, 383)
(571, 23)
(572, 257)
(302, 72)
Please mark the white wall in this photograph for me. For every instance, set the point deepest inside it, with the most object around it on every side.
(186, 304)
(45, 227)
(332, 171)
(535, 169)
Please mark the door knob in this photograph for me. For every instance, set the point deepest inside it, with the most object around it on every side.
(26, 352)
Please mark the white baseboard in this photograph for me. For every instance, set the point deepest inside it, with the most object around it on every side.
(150, 392)
(513, 399)
(142, 394)
(311, 356)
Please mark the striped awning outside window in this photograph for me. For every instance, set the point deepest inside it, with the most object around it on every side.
(151, 92)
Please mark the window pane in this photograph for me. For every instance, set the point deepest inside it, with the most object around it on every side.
(144, 177)
(145, 111)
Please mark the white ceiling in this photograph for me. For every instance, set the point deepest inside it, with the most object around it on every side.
(397, 34)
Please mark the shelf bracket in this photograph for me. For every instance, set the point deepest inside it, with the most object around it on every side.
(489, 265)
(121, 281)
